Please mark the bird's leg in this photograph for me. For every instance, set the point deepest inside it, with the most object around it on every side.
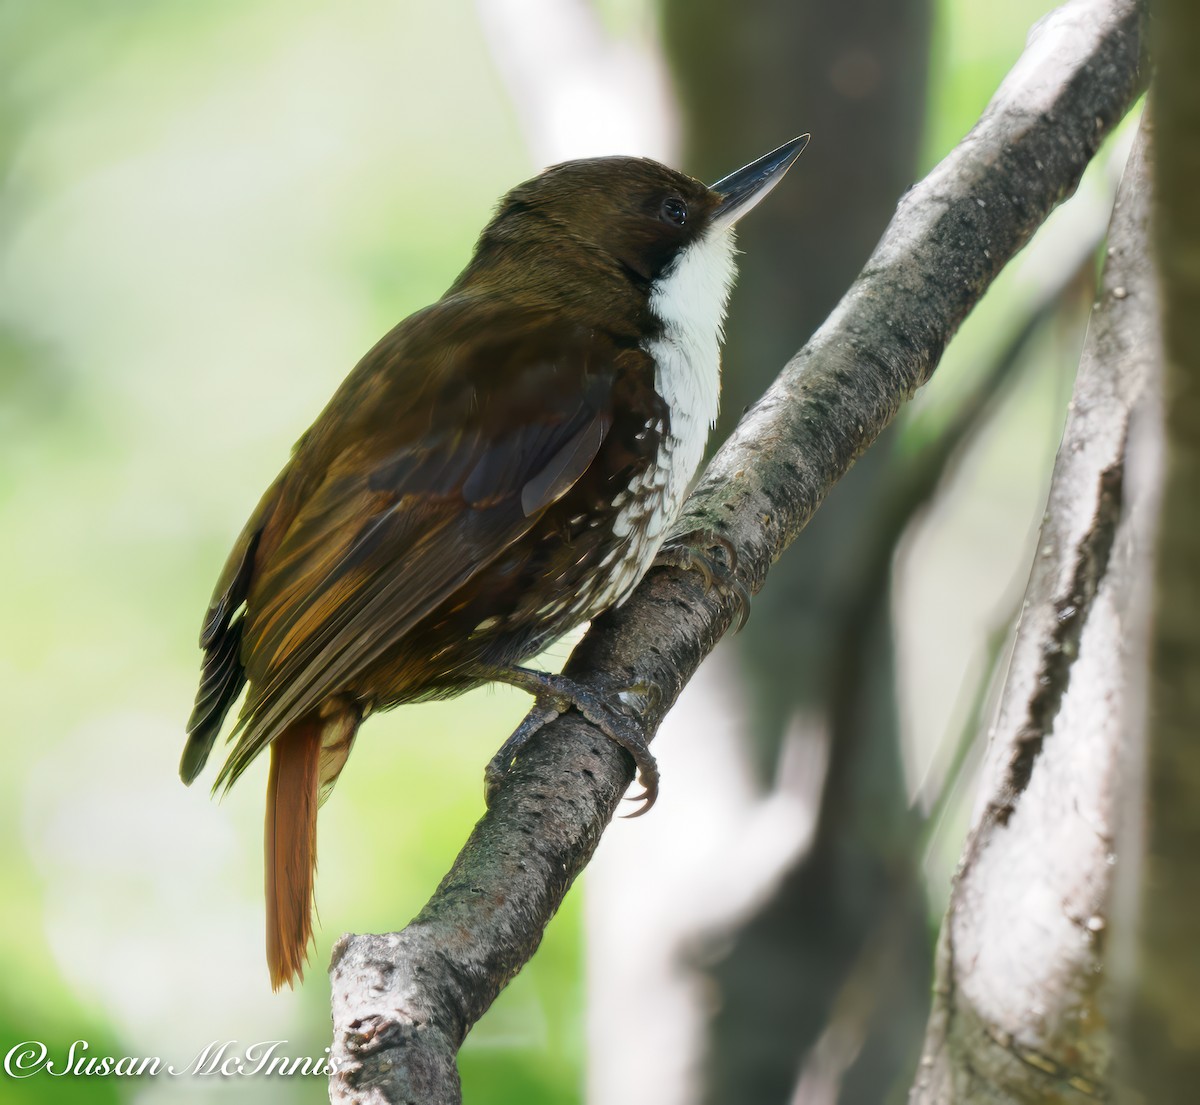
(556, 694)
(691, 551)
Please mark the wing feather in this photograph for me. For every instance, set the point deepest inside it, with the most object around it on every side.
(223, 677)
(405, 516)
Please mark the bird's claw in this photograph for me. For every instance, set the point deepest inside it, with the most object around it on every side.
(554, 695)
(689, 552)
(499, 765)
(645, 797)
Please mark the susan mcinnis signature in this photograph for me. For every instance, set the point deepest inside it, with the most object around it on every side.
(221, 1059)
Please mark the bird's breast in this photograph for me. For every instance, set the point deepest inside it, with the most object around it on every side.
(688, 381)
(557, 584)
(689, 301)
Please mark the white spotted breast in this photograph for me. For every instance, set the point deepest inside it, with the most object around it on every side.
(689, 300)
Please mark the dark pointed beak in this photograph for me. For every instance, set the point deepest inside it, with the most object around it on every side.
(742, 190)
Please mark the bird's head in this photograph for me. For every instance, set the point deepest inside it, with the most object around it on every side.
(623, 214)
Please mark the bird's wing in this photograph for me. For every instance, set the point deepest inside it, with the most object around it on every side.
(411, 504)
(223, 677)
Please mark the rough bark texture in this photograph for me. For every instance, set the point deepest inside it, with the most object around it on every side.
(854, 74)
(1164, 1030)
(403, 1003)
(1020, 1009)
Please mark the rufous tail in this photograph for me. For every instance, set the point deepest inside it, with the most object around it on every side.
(306, 759)
(291, 847)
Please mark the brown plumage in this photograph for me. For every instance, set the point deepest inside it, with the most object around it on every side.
(455, 506)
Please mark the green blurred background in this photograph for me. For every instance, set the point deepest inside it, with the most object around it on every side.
(208, 212)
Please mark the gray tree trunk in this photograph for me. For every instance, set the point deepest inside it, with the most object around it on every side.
(854, 74)
(1021, 1004)
(1163, 1020)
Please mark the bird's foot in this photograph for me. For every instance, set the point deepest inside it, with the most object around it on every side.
(556, 694)
(693, 551)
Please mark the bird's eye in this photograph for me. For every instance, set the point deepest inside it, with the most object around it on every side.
(674, 210)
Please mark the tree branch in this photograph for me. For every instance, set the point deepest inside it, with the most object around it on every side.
(1019, 1012)
(403, 1003)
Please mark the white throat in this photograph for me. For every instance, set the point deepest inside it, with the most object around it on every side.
(689, 299)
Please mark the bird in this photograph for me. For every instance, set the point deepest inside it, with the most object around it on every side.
(500, 468)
